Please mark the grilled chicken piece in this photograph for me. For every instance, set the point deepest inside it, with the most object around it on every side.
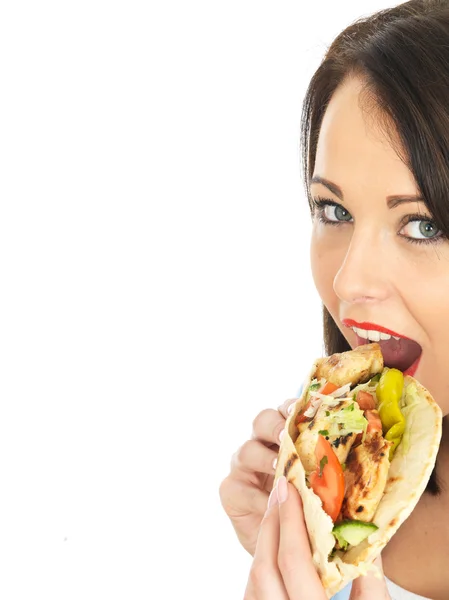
(354, 366)
(365, 478)
(341, 445)
(308, 436)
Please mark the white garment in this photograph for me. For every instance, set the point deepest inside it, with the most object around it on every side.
(396, 593)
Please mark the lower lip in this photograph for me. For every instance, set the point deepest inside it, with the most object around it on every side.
(413, 368)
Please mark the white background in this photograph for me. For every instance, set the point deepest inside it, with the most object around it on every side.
(155, 283)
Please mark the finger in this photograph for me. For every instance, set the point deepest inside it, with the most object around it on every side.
(371, 586)
(300, 577)
(245, 506)
(241, 499)
(267, 426)
(253, 456)
(286, 408)
(265, 581)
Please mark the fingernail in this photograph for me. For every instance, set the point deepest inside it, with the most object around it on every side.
(273, 499)
(291, 407)
(282, 489)
(275, 463)
(281, 435)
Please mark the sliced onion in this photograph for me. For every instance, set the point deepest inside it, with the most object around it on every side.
(317, 398)
(313, 408)
(329, 400)
(341, 391)
(333, 403)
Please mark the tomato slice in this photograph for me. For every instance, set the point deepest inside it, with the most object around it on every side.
(374, 422)
(300, 417)
(366, 400)
(328, 481)
(327, 388)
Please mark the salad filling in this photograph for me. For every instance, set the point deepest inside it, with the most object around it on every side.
(347, 437)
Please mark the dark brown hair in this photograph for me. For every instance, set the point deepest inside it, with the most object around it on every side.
(402, 56)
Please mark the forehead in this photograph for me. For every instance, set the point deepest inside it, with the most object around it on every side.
(354, 151)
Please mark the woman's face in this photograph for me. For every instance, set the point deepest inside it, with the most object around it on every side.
(378, 261)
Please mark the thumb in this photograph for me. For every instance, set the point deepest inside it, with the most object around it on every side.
(372, 586)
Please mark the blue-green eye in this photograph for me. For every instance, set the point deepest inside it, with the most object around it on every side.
(420, 230)
(336, 213)
(331, 212)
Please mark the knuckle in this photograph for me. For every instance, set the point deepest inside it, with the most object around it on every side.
(223, 490)
(254, 456)
(259, 573)
(267, 425)
(288, 561)
(284, 408)
(285, 404)
(245, 452)
(234, 459)
(262, 417)
(277, 430)
(229, 492)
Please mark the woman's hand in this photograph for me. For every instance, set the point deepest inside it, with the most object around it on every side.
(282, 568)
(244, 492)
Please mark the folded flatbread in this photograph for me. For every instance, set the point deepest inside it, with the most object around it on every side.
(384, 473)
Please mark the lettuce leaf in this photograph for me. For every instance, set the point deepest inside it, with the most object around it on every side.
(347, 420)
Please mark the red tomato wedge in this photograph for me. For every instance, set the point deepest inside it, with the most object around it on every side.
(374, 422)
(327, 388)
(328, 481)
(366, 400)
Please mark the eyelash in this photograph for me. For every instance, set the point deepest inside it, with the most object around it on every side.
(320, 203)
(417, 217)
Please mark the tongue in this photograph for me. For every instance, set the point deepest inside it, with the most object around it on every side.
(398, 354)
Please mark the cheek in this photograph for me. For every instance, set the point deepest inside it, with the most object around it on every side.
(325, 264)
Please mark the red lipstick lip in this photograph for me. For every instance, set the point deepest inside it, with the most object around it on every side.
(413, 368)
(371, 326)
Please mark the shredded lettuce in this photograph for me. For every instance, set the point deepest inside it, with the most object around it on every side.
(347, 420)
(369, 386)
(410, 396)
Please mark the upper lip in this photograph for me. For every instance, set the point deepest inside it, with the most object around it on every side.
(371, 326)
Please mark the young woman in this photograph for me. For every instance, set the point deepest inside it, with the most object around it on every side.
(375, 140)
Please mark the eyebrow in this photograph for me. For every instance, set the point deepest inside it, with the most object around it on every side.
(392, 201)
(333, 187)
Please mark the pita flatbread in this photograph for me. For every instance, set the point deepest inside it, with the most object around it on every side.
(409, 471)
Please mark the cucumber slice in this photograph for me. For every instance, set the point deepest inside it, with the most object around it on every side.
(352, 532)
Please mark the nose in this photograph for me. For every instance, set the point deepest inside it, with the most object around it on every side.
(365, 274)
